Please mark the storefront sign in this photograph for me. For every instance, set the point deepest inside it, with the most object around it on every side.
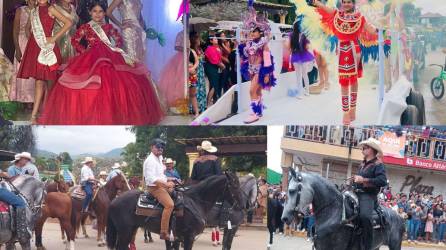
(415, 186)
(392, 145)
(416, 163)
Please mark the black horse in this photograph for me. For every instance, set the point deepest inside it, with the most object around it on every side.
(222, 213)
(306, 188)
(198, 200)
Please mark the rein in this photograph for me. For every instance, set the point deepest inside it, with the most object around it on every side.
(34, 208)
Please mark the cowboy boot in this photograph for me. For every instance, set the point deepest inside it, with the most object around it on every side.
(22, 230)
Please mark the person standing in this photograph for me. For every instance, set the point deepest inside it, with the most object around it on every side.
(22, 90)
(301, 58)
(262, 198)
(368, 182)
(158, 185)
(87, 181)
(69, 11)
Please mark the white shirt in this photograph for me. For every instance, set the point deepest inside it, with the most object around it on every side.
(154, 170)
(86, 173)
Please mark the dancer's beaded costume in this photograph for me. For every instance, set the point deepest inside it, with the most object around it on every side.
(256, 58)
(349, 28)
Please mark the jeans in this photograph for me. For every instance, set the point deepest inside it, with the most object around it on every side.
(415, 225)
(88, 188)
(310, 224)
(11, 198)
(441, 231)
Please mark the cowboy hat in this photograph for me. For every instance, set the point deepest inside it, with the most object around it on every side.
(102, 173)
(87, 160)
(373, 143)
(207, 146)
(25, 155)
(116, 166)
(169, 160)
(124, 164)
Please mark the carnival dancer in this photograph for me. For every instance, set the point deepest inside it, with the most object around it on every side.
(158, 184)
(132, 27)
(301, 58)
(370, 179)
(22, 90)
(351, 28)
(87, 181)
(207, 165)
(257, 60)
(69, 11)
(103, 85)
(22, 230)
(116, 169)
(42, 55)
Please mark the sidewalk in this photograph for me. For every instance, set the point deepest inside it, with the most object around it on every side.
(405, 243)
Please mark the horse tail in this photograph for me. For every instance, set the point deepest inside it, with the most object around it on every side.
(111, 233)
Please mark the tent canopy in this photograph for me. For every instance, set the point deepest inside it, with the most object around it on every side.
(273, 177)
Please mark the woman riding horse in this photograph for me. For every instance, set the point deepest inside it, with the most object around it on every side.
(370, 179)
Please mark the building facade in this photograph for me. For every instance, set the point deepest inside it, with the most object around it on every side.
(332, 152)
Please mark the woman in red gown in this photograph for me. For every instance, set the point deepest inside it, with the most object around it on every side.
(102, 85)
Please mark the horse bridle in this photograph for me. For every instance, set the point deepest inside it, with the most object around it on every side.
(35, 208)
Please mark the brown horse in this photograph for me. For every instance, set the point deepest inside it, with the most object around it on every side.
(57, 186)
(99, 205)
(56, 205)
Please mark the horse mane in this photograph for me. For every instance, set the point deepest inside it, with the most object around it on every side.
(203, 185)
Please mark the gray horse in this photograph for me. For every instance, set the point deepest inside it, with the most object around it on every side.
(219, 215)
(34, 192)
(306, 188)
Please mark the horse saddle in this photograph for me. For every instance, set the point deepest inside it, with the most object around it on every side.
(78, 193)
(149, 206)
(350, 212)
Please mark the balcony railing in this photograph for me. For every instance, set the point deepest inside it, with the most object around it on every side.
(417, 144)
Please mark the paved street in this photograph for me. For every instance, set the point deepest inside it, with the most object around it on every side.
(435, 109)
(298, 243)
(245, 240)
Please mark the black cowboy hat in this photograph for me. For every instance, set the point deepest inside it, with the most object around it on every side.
(159, 143)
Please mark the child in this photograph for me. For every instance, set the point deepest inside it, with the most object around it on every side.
(42, 56)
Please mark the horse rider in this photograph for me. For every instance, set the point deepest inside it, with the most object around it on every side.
(171, 172)
(116, 169)
(87, 181)
(158, 185)
(207, 164)
(20, 160)
(29, 168)
(368, 182)
(102, 178)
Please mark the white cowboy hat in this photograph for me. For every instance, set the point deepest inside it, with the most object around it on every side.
(88, 159)
(103, 173)
(207, 146)
(116, 166)
(169, 160)
(124, 164)
(373, 143)
(25, 155)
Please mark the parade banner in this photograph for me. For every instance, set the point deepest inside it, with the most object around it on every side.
(392, 145)
(415, 162)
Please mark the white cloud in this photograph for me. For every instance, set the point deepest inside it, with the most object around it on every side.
(82, 139)
(274, 153)
(437, 6)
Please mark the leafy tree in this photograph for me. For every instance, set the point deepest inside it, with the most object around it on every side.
(17, 138)
(65, 158)
(135, 153)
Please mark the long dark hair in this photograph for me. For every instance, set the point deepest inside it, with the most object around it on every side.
(296, 43)
(97, 3)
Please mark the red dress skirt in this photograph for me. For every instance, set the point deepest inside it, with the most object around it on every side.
(29, 67)
(99, 88)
